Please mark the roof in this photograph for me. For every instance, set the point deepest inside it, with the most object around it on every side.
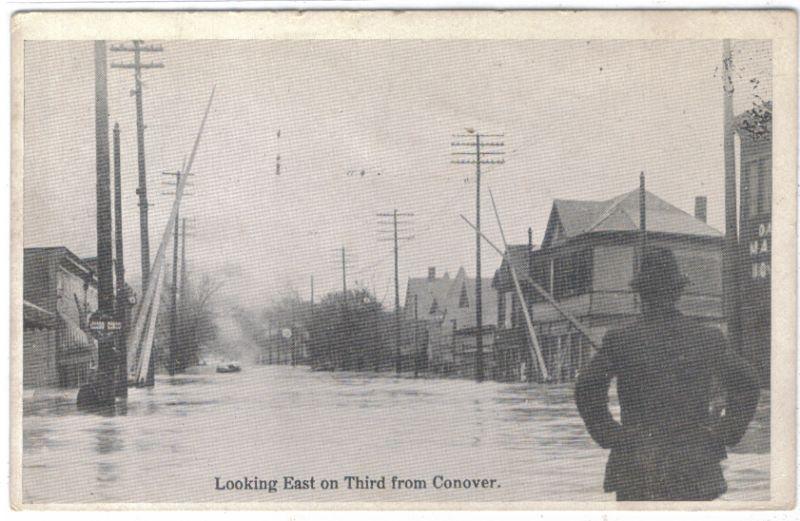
(465, 317)
(62, 251)
(426, 291)
(570, 219)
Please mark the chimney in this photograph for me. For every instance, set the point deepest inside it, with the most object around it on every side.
(700, 207)
(432, 273)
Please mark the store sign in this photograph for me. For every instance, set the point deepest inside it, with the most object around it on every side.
(759, 247)
(102, 326)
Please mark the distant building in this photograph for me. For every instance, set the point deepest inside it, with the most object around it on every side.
(448, 308)
(62, 288)
(586, 262)
(755, 233)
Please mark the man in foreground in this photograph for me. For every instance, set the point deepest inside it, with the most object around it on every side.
(668, 445)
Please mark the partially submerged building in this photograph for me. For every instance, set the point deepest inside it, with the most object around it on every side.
(586, 262)
(59, 293)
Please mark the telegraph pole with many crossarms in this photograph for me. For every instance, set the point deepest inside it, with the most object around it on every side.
(137, 49)
(398, 361)
(476, 147)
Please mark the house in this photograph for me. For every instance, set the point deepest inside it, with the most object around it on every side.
(424, 310)
(60, 292)
(586, 262)
(755, 234)
(453, 346)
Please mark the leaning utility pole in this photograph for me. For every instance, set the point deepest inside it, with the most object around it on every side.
(137, 67)
(174, 346)
(107, 362)
(730, 255)
(398, 360)
(474, 146)
(122, 296)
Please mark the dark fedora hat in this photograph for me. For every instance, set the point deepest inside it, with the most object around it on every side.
(659, 271)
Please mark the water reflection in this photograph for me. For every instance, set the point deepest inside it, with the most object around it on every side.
(275, 421)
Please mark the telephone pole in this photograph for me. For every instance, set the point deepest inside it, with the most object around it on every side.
(398, 360)
(475, 145)
(730, 254)
(137, 49)
(107, 362)
(174, 346)
(122, 296)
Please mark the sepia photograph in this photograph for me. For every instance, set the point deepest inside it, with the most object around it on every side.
(300, 268)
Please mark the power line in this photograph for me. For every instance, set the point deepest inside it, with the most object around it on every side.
(476, 146)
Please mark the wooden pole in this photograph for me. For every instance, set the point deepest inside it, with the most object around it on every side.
(173, 326)
(730, 256)
(544, 293)
(479, 370)
(536, 352)
(107, 361)
(122, 294)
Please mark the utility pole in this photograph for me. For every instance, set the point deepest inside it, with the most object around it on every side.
(122, 294)
(398, 359)
(344, 272)
(475, 148)
(417, 355)
(174, 343)
(107, 362)
(183, 258)
(137, 49)
(730, 255)
(642, 220)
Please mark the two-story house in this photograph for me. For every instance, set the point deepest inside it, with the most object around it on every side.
(586, 262)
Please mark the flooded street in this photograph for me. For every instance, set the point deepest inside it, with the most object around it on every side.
(276, 421)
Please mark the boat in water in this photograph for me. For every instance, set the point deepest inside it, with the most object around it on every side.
(230, 367)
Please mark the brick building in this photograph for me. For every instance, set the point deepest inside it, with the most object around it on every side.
(60, 286)
(755, 234)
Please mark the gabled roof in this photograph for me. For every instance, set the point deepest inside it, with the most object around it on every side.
(570, 219)
(426, 292)
(465, 317)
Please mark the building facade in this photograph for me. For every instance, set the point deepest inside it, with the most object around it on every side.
(586, 262)
(755, 235)
(58, 283)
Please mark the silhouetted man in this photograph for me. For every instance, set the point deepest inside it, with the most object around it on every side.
(668, 445)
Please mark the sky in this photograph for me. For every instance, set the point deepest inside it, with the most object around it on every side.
(580, 120)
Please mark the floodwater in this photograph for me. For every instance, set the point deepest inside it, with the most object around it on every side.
(273, 422)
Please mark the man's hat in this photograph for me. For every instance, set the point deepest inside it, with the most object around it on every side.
(658, 272)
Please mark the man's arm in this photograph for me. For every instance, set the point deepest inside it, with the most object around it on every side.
(591, 397)
(741, 383)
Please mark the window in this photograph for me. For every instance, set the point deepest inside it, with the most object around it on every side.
(434, 307)
(573, 274)
(463, 300)
(758, 191)
(540, 273)
(509, 304)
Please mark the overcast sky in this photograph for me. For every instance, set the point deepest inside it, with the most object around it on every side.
(581, 120)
